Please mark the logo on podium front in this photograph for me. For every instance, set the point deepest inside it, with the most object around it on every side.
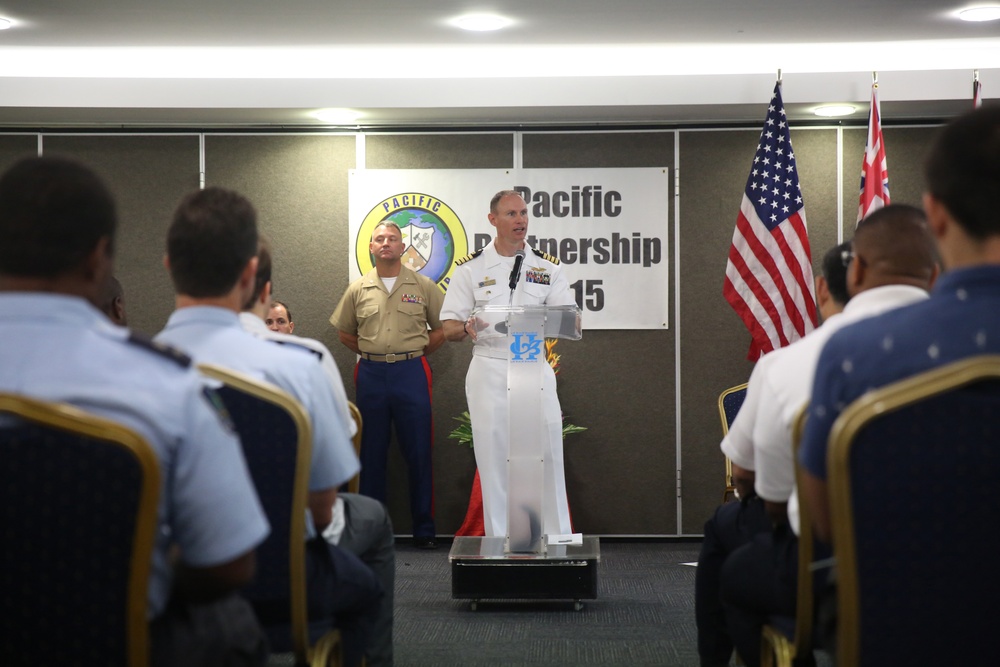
(526, 347)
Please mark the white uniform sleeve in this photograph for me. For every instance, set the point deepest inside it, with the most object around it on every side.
(772, 436)
(459, 299)
(560, 294)
(738, 443)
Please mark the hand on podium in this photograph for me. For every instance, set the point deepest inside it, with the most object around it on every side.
(473, 326)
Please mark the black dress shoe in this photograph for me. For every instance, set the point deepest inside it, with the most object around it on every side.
(425, 543)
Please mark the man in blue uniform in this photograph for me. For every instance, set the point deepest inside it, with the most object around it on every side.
(212, 258)
(58, 224)
(360, 524)
(960, 319)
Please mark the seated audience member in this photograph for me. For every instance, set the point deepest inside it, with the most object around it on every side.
(113, 302)
(360, 524)
(891, 263)
(735, 524)
(960, 319)
(58, 223)
(212, 258)
(254, 321)
(279, 318)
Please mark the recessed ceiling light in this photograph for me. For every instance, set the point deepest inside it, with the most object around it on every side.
(337, 116)
(980, 14)
(481, 22)
(5, 23)
(834, 110)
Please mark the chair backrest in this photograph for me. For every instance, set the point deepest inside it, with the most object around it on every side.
(276, 436)
(78, 520)
(729, 405)
(912, 471)
(804, 597)
(730, 402)
(354, 485)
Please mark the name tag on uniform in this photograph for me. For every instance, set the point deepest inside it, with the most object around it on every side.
(413, 298)
(487, 281)
(539, 276)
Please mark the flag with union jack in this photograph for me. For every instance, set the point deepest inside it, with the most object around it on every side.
(874, 171)
(769, 279)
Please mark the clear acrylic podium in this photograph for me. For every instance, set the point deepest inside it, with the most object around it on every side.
(510, 566)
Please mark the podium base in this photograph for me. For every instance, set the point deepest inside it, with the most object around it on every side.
(480, 570)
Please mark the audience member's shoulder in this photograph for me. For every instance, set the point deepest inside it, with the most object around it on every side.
(296, 343)
(162, 351)
(139, 351)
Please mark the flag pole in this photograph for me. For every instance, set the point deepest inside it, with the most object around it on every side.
(874, 174)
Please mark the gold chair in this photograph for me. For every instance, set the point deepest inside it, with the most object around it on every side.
(79, 521)
(276, 436)
(729, 405)
(354, 485)
(911, 472)
(786, 638)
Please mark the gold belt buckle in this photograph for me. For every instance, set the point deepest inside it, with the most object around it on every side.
(391, 358)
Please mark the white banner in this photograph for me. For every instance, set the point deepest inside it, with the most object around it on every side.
(608, 227)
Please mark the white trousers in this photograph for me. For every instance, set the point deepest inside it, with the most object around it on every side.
(486, 392)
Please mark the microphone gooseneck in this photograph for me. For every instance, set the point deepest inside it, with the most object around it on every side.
(515, 273)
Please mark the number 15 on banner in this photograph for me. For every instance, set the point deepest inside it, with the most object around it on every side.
(594, 293)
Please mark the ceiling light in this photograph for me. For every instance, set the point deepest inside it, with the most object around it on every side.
(481, 22)
(831, 110)
(337, 116)
(980, 14)
(5, 23)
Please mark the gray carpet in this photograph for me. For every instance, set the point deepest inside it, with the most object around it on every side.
(644, 615)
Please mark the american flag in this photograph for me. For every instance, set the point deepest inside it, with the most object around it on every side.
(874, 171)
(769, 279)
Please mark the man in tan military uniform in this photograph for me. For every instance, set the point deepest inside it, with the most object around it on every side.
(391, 318)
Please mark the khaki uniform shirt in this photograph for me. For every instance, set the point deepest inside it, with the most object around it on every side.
(390, 322)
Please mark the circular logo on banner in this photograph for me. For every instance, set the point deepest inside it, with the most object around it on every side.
(433, 235)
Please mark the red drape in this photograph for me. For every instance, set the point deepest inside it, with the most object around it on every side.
(473, 524)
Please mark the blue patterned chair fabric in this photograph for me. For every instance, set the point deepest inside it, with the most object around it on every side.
(73, 510)
(268, 436)
(912, 479)
(276, 438)
(730, 402)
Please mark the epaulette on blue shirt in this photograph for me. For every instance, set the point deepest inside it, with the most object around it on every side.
(297, 347)
(546, 256)
(460, 262)
(163, 350)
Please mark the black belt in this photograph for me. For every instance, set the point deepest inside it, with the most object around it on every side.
(392, 358)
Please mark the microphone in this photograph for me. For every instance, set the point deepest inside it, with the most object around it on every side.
(515, 273)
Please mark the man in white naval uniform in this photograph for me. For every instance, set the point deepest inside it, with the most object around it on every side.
(482, 279)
